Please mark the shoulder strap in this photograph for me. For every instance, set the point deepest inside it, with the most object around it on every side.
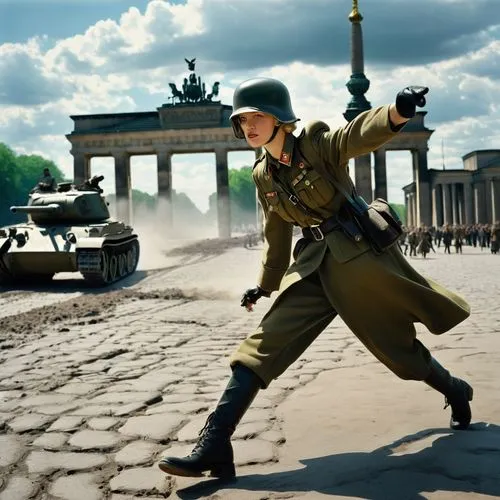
(356, 201)
(294, 199)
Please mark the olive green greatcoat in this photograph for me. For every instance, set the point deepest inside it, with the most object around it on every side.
(379, 297)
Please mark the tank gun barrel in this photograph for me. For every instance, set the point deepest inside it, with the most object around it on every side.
(52, 208)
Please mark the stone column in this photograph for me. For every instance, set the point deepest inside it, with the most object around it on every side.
(413, 198)
(259, 213)
(380, 174)
(407, 209)
(454, 203)
(469, 214)
(123, 186)
(495, 200)
(434, 205)
(421, 174)
(448, 217)
(489, 200)
(223, 206)
(412, 209)
(439, 205)
(81, 167)
(479, 203)
(415, 209)
(363, 176)
(461, 203)
(164, 172)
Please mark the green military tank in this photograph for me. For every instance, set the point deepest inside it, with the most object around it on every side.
(69, 229)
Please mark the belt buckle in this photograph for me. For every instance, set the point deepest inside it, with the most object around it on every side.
(317, 233)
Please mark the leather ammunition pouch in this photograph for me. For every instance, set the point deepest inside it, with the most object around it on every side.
(378, 222)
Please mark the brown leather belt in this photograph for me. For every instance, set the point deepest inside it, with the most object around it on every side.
(317, 232)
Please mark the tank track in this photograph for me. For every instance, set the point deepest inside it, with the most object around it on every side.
(5, 278)
(110, 263)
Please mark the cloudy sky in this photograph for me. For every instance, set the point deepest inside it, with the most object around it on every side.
(66, 57)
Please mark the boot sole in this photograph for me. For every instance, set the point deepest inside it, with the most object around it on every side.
(223, 472)
(177, 471)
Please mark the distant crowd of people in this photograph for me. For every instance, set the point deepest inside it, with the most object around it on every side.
(252, 236)
(423, 240)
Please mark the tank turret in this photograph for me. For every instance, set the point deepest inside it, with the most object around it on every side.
(68, 204)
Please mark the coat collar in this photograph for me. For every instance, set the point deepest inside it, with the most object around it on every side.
(285, 156)
(287, 152)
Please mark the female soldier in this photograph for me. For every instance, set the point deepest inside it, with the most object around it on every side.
(379, 296)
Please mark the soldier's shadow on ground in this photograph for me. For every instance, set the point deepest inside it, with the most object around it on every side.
(430, 460)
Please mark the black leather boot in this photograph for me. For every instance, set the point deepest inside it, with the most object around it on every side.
(457, 394)
(213, 451)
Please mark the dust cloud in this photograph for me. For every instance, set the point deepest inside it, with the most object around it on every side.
(158, 238)
(175, 247)
(160, 231)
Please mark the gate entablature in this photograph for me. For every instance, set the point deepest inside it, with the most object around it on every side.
(192, 122)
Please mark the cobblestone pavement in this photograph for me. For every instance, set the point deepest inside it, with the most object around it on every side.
(87, 409)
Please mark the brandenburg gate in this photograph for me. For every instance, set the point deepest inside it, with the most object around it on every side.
(193, 122)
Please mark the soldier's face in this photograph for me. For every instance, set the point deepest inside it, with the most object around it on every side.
(257, 127)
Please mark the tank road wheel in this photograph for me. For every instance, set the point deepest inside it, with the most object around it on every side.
(122, 265)
(99, 268)
(113, 268)
(132, 257)
(104, 266)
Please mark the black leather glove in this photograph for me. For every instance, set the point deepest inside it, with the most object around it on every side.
(409, 98)
(251, 296)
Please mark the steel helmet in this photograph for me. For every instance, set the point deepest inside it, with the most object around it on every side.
(261, 94)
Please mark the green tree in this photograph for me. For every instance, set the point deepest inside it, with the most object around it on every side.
(242, 188)
(9, 182)
(184, 209)
(400, 210)
(241, 196)
(32, 167)
(18, 175)
(142, 200)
